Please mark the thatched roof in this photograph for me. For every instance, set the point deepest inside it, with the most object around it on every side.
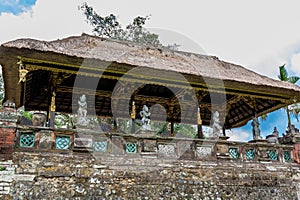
(87, 46)
(75, 50)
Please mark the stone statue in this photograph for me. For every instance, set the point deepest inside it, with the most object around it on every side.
(292, 130)
(256, 129)
(275, 132)
(273, 138)
(217, 128)
(39, 119)
(145, 114)
(9, 104)
(82, 111)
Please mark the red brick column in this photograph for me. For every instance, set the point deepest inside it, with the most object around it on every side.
(8, 120)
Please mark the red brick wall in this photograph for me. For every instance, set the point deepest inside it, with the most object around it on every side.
(7, 136)
(7, 132)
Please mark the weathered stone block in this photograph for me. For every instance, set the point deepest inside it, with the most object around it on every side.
(55, 172)
(149, 145)
(222, 149)
(83, 141)
(117, 145)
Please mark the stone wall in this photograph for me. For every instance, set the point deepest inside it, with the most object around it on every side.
(67, 164)
(72, 175)
(7, 172)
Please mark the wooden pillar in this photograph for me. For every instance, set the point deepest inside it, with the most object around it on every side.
(199, 125)
(56, 79)
(172, 129)
(115, 126)
(132, 116)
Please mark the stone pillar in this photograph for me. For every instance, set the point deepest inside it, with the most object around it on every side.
(8, 122)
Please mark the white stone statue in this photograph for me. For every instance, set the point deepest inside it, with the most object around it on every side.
(145, 114)
(82, 111)
(217, 128)
(256, 129)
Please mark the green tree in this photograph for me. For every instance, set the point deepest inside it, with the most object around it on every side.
(295, 108)
(109, 27)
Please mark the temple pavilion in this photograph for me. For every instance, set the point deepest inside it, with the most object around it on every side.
(119, 78)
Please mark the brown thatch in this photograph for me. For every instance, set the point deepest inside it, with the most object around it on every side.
(242, 86)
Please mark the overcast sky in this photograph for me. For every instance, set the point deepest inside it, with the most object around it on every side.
(259, 35)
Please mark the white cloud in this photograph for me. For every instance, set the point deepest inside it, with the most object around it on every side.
(48, 20)
(239, 135)
(234, 134)
(251, 33)
(295, 63)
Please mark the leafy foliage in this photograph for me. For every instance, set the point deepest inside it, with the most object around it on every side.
(293, 109)
(2, 168)
(283, 76)
(186, 130)
(27, 115)
(109, 27)
(64, 120)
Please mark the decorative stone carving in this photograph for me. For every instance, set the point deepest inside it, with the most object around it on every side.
(204, 151)
(82, 111)
(45, 141)
(256, 129)
(167, 149)
(292, 130)
(291, 136)
(217, 128)
(39, 119)
(145, 114)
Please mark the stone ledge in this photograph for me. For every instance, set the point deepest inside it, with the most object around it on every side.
(24, 177)
(100, 166)
(8, 162)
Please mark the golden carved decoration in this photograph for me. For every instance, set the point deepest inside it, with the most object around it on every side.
(132, 115)
(199, 120)
(52, 106)
(22, 72)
